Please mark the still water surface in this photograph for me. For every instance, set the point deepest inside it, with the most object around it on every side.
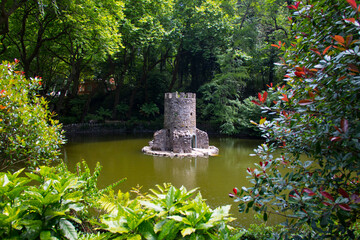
(121, 156)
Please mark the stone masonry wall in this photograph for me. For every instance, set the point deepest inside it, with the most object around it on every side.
(161, 141)
(180, 134)
(202, 139)
(181, 141)
(180, 111)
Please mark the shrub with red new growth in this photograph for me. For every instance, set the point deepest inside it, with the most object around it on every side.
(316, 117)
(28, 133)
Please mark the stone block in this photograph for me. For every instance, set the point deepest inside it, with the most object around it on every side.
(202, 139)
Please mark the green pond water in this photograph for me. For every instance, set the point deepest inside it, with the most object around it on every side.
(121, 156)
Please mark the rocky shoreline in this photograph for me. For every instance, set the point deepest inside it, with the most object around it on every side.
(196, 152)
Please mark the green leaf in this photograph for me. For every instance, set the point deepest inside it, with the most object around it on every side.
(187, 231)
(14, 193)
(307, 164)
(68, 229)
(33, 176)
(4, 180)
(151, 205)
(17, 173)
(116, 226)
(170, 197)
(158, 226)
(324, 220)
(32, 223)
(168, 230)
(51, 198)
(220, 213)
(44, 235)
(136, 237)
(73, 196)
(176, 218)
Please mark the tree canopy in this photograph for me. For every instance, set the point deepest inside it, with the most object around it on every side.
(129, 53)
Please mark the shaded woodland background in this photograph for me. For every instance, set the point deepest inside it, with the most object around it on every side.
(112, 60)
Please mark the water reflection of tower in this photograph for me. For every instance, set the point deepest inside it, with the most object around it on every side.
(184, 171)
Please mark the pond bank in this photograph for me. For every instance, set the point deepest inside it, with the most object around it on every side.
(131, 127)
(116, 127)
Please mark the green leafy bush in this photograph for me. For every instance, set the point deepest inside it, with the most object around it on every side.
(44, 210)
(50, 203)
(260, 232)
(121, 110)
(166, 213)
(27, 131)
(309, 168)
(220, 98)
(149, 110)
(101, 115)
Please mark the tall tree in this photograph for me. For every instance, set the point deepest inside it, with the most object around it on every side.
(91, 34)
(8, 7)
(260, 23)
(145, 28)
(75, 34)
(29, 31)
(205, 28)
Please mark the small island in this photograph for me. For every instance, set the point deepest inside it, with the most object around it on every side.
(180, 137)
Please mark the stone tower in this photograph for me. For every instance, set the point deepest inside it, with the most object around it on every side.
(180, 112)
(180, 134)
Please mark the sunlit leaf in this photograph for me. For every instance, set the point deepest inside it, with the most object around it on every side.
(352, 4)
(339, 39)
(187, 231)
(68, 229)
(335, 139)
(285, 98)
(326, 49)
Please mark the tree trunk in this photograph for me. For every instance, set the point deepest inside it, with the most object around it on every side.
(176, 68)
(120, 81)
(76, 71)
(74, 76)
(87, 105)
(174, 73)
(143, 81)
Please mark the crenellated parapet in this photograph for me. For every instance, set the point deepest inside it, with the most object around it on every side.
(179, 95)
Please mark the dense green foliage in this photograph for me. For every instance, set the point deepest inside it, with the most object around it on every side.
(51, 202)
(315, 133)
(57, 206)
(124, 55)
(166, 213)
(27, 131)
(121, 56)
(40, 211)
